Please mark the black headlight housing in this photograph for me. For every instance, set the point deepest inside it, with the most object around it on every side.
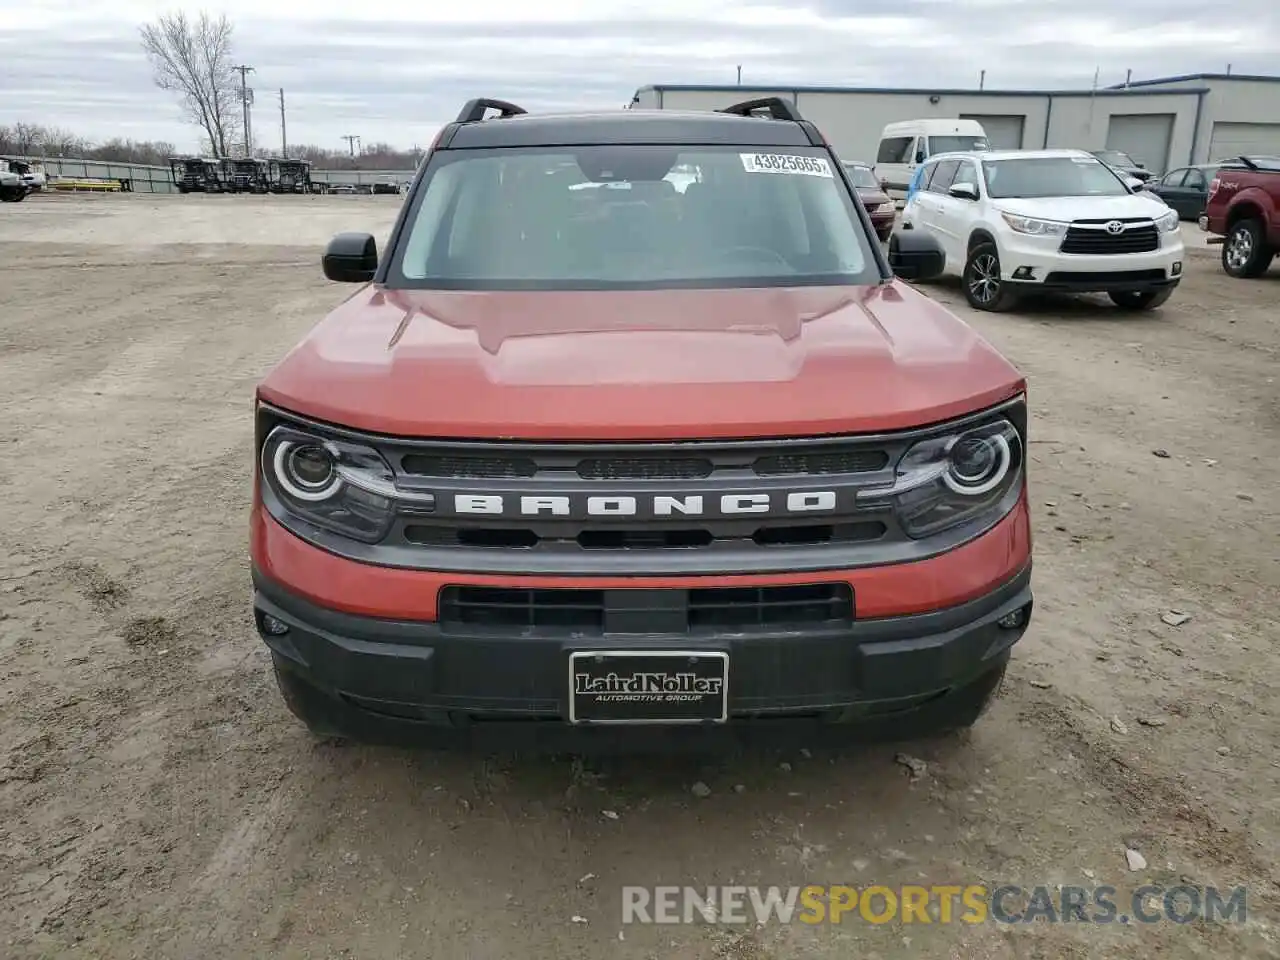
(971, 474)
(338, 486)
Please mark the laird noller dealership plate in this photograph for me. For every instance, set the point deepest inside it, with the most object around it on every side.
(648, 686)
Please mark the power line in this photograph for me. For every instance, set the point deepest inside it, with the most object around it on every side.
(244, 71)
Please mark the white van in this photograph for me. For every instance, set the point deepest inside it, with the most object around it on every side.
(907, 144)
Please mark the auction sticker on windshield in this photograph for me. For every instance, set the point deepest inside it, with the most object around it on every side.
(786, 163)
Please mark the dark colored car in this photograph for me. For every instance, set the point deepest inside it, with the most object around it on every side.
(1119, 160)
(1186, 189)
(880, 206)
(638, 467)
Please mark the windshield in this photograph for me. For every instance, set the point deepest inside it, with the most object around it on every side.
(861, 176)
(953, 144)
(1116, 158)
(631, 217)
(1051, 177)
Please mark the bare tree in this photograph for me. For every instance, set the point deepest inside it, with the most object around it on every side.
(192, 57)
(56, 142)
(26, 138)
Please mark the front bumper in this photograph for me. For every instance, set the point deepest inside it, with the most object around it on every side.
(441, 682)
(1035, 263)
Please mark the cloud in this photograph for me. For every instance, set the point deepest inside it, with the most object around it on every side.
(394, 72)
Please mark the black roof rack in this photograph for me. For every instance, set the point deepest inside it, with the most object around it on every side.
(778, 108)
(473, 110)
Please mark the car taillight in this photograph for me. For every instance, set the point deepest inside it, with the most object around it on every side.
(1213, 186)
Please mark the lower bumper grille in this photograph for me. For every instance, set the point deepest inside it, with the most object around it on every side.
(1075, 277)
(649, 611)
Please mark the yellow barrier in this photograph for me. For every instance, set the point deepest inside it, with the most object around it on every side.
(110, 186)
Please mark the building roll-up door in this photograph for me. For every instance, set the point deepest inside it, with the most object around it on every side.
(1004, 131)
(1143, 136)
(1255, 139)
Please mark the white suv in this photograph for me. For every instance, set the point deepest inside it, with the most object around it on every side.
(1013, 221)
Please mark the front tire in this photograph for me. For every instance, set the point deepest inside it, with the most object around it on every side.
(983, 287)
(1245, 253)
(1141, 299)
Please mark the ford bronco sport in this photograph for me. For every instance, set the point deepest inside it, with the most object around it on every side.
(675, 459)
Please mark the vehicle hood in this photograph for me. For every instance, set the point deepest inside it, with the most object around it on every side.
(1067, 209)
(872, 197)
(645, 365)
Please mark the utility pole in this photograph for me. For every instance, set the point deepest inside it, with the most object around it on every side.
(284, 141)
(244, 71)
(352, 140)
(739, 74)
(982, 80)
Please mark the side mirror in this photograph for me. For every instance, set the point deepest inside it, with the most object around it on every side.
(965, 191)
(1134, 184)
(351, 258)
(920, 157)
(916, 256)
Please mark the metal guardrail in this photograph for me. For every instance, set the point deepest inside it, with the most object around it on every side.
(137, 177)
(145, 178)
(361, 177)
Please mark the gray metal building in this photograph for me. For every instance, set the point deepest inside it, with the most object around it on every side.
(1163, 123)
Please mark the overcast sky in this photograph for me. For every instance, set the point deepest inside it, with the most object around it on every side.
(395, 71)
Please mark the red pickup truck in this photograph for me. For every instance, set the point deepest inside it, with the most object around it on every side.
(1243, 213)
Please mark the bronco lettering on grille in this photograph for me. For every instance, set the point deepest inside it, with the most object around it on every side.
(692, 505)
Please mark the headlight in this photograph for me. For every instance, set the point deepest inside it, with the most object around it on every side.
(1169, 222)
(343, 487)
(946, 481)
(1034, 227)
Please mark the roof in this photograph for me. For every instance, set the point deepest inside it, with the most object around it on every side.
(787, 88)
(627, 126)
(1058, 154)
(1256, 78)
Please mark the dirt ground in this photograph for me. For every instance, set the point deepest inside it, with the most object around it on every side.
(156, 800)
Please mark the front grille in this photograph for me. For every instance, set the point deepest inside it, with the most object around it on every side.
(639, 538)
(537, 497)
(703, 609)
(474, 468)
(819, 463)
(652, 508)
(1085, 237)
(640, 468)
(799, 464)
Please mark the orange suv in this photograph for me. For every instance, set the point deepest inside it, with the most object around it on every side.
(631, 435)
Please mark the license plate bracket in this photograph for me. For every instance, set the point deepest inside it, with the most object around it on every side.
(658, 687)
